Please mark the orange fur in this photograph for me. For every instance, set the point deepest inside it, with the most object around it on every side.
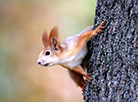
(45, 39)
(83, 38)
(69, 54)
(55, 34)
(78, 79)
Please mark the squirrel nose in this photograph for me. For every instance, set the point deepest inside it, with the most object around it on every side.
(39, 63)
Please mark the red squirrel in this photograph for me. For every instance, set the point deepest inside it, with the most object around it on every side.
(68, 54)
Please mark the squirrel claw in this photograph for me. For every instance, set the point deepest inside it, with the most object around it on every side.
(102, 23)
(100, 27)
(88, 77)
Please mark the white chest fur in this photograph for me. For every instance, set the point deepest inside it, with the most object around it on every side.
(77, 60)
(70, 44)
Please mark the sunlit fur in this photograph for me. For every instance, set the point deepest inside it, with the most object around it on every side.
(69, 54)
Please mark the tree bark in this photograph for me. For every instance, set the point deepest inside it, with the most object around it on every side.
(113, 61)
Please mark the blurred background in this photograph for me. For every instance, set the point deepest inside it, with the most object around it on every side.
(22, 23)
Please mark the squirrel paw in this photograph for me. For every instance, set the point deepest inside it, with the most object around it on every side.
(100, 27)
(88, 77)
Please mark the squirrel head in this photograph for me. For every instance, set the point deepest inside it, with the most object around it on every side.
(52, 49)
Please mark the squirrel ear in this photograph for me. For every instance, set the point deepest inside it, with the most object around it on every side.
(54, 39)
(45, 39)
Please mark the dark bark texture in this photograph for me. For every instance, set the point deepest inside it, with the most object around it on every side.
(113, 54)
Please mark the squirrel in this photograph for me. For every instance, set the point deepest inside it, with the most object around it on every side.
(68, 54)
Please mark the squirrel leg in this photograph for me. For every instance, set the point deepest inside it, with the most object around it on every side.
(78, 79)
(80, 71)
(89, 34)
(84, 37)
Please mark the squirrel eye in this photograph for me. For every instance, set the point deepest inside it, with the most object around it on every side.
(47, 53)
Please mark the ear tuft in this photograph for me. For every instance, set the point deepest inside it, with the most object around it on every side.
(53, 34)
(54, 39)
(45, 39)
(55, 44)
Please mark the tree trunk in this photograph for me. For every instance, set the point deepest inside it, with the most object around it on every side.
(113, 61)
